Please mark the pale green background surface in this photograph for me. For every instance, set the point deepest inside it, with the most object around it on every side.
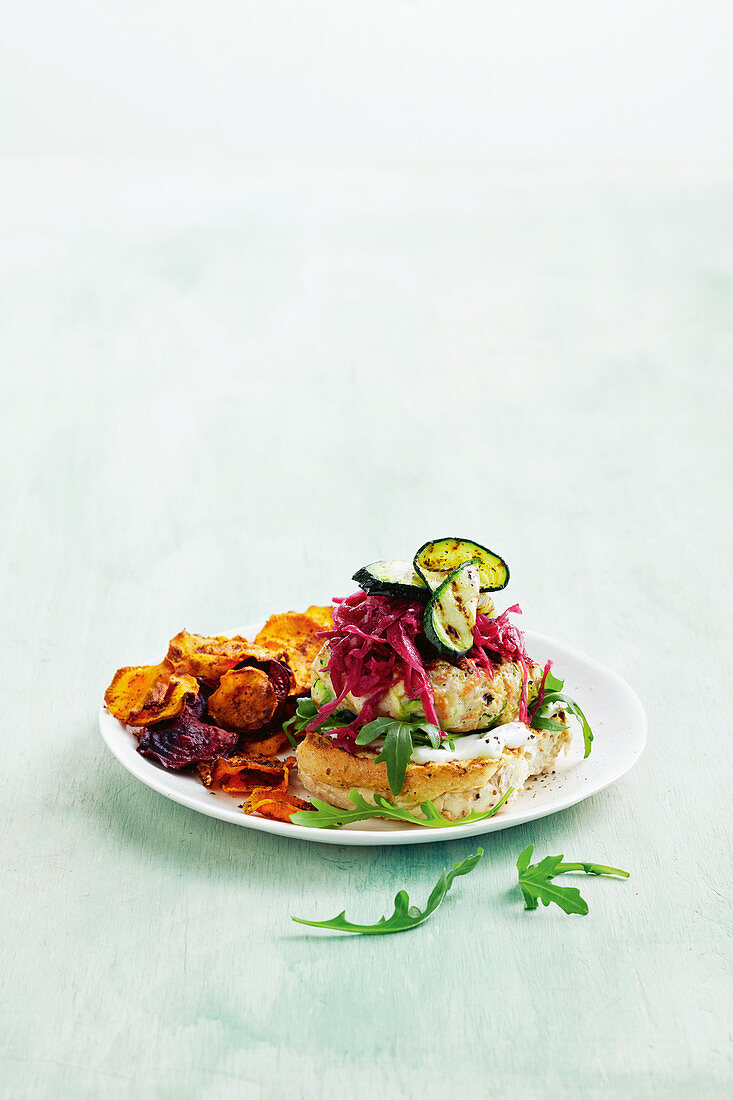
(225, 387)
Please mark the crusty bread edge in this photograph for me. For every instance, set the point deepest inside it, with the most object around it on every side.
(456, 787)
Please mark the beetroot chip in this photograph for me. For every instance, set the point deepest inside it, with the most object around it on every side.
(281, 679)
(186, 739)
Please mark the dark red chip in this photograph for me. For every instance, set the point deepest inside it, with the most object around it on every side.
(281, 679)
(186, 739)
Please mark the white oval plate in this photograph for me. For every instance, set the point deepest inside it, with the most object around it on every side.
(613, 709)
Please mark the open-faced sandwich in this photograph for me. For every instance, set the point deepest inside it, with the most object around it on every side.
(423, 692)
(413, 699)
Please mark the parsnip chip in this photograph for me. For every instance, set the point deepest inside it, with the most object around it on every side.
(144, 694)
(209, 658)
(244, 700)
(296, 633)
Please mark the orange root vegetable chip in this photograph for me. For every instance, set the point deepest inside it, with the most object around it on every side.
(146, 694)
(242, 774)
(131, 686)
(277, 670)
(209, 658)
(271, 745)
(180, 689)
(289, 763)
(297, 635)
(322, 615)
(276, 805)
(244, 700)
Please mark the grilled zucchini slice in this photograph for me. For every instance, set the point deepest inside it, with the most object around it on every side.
(450, 615)
(392, 578)
(436, 559)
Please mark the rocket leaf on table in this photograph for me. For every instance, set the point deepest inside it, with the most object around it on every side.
(405, 916)
(536, 881)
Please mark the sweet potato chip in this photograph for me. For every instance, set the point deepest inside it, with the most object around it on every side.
(278, 671)
(144, 694)
(244, 700)
(289, 763)
(322, 615)
(180, 689)
(271, 745)
(130, 686)
(242, 774)
(276, 805)
(297, 634)
(209, 658)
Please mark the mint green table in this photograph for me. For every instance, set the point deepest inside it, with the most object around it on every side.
(225, 388)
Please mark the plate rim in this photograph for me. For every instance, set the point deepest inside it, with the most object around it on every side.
(156, 779)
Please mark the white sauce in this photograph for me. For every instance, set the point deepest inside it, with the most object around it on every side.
(475, 746)
(515, 734)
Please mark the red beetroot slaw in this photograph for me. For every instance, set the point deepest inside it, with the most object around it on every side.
(373, 644)
(500, 638)
(377, 640)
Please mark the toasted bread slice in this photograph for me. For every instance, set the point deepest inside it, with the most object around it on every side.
(455, 787)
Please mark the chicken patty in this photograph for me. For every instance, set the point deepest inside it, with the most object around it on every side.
(466, 698)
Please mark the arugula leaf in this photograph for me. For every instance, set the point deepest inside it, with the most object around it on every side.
(326, 816)
(306, 711)
(405, 916)
(399, 738)
(553, 683)
(541, 723)
(572, 708)
(425, 733)
(535, 881)
(554, 694)
(372, 730)
(422, 732)
(396, 752)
